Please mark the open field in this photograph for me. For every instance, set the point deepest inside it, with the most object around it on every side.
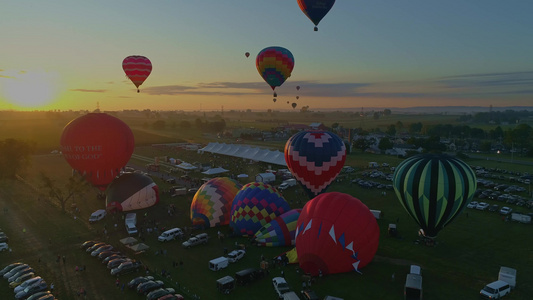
(468, 255)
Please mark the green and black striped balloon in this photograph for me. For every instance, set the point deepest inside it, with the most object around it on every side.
(434, 189)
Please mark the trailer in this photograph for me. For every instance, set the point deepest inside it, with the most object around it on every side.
(518, 217)
(508, 275)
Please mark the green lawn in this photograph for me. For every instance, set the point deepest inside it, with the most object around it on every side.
(468, 255)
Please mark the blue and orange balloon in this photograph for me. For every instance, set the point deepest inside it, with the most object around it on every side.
(275, 65)
(255, 205)
(315, 10)
(315, 158)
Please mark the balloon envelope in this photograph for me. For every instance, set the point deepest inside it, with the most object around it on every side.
(255, 205)
(336, 233)
(137, 68)
(280, 231)
(97, 146)
(434, 189)
(211, 205)
(275, 65)
(132, 191)
(247, 54)
(315, 158)
(315, 10)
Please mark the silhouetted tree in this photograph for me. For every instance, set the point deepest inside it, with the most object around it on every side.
(14, 157)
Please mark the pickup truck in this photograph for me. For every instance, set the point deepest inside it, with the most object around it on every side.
(236, 255)
(281, 286)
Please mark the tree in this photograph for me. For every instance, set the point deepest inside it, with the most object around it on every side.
(387, 112)
(363, 143)
(76, 185)
(159, 124)
(385, 143)
(14, 157)
(391, 130)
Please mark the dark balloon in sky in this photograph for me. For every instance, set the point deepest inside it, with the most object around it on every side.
(315, 10)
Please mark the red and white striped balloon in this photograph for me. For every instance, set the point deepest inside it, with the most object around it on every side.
(137, 68)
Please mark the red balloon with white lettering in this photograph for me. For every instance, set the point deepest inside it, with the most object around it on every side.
(97, 146)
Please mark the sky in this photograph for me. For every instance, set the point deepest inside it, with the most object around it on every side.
(67, 55)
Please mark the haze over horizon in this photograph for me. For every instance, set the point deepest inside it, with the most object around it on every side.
(63, 55)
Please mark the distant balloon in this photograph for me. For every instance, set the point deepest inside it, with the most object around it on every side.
(315, 10)
(247, 54)
(255, 205)
(297, 97)
(288, 102)
(137, 68)
(434, 189)
(315, 158)
(336, 233)
(280, 231)
(293, 105)
(97, 146)
(275, 65)
(211, 205)
(297, 87)
(131, 191)
(274, 99)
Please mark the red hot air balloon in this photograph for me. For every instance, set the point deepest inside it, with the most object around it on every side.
(137, 68)
(336, 233)
(97, 146)
(315, 158)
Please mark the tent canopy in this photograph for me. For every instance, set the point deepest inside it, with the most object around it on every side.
(275, 157)
(139, 247)
(128, 241)
(215, 171)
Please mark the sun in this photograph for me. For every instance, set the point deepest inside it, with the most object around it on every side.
(30, 89)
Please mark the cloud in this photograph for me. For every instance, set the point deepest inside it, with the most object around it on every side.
(488, 80)
(88, 91)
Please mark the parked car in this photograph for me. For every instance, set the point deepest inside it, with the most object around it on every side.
(158, 293)
(309, 295)
(236, 255)
(472, 204)
(94, 247)
(28, 282)
(14, 270)
(505, 210)
(9, 268)
(494, 207)
(126, 267)
(111, 257)
(20, 273)
(88, 244)
(105, 254)
(196, 240)
(32, 289)
(138, 280)
(172, 297)
(116, 262)
(101, 249)
(280, 286)
(3, 238)
(249, 275)
(48, 296)
(21, 279)
(4, 246)
(482, 206)
(38, 295)
(146, 287)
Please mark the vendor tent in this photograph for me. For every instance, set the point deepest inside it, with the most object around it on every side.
(275, 157)
(215, 171)
(128, 241)
(139, 247)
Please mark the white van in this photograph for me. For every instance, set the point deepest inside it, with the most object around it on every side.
(495, 290)
(170, 234)
(218, 263)
(97, 216)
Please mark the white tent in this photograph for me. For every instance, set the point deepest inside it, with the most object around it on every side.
(186, 166)
(215, 171)
(274, 157)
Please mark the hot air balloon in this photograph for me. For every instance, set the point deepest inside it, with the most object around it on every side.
(280, 231)
(137, 68)
(275, 65)
(315, 158)
(131, 191)
(211, 205)
(247, 54)
(255, 205)
(274, 100)
(315, 10)
(297, 87)
(434, 189)
(336, 233)
(297, 97)
(293, 105)
(97, 146)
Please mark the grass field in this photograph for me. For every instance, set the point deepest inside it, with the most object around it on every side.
(469, 253)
